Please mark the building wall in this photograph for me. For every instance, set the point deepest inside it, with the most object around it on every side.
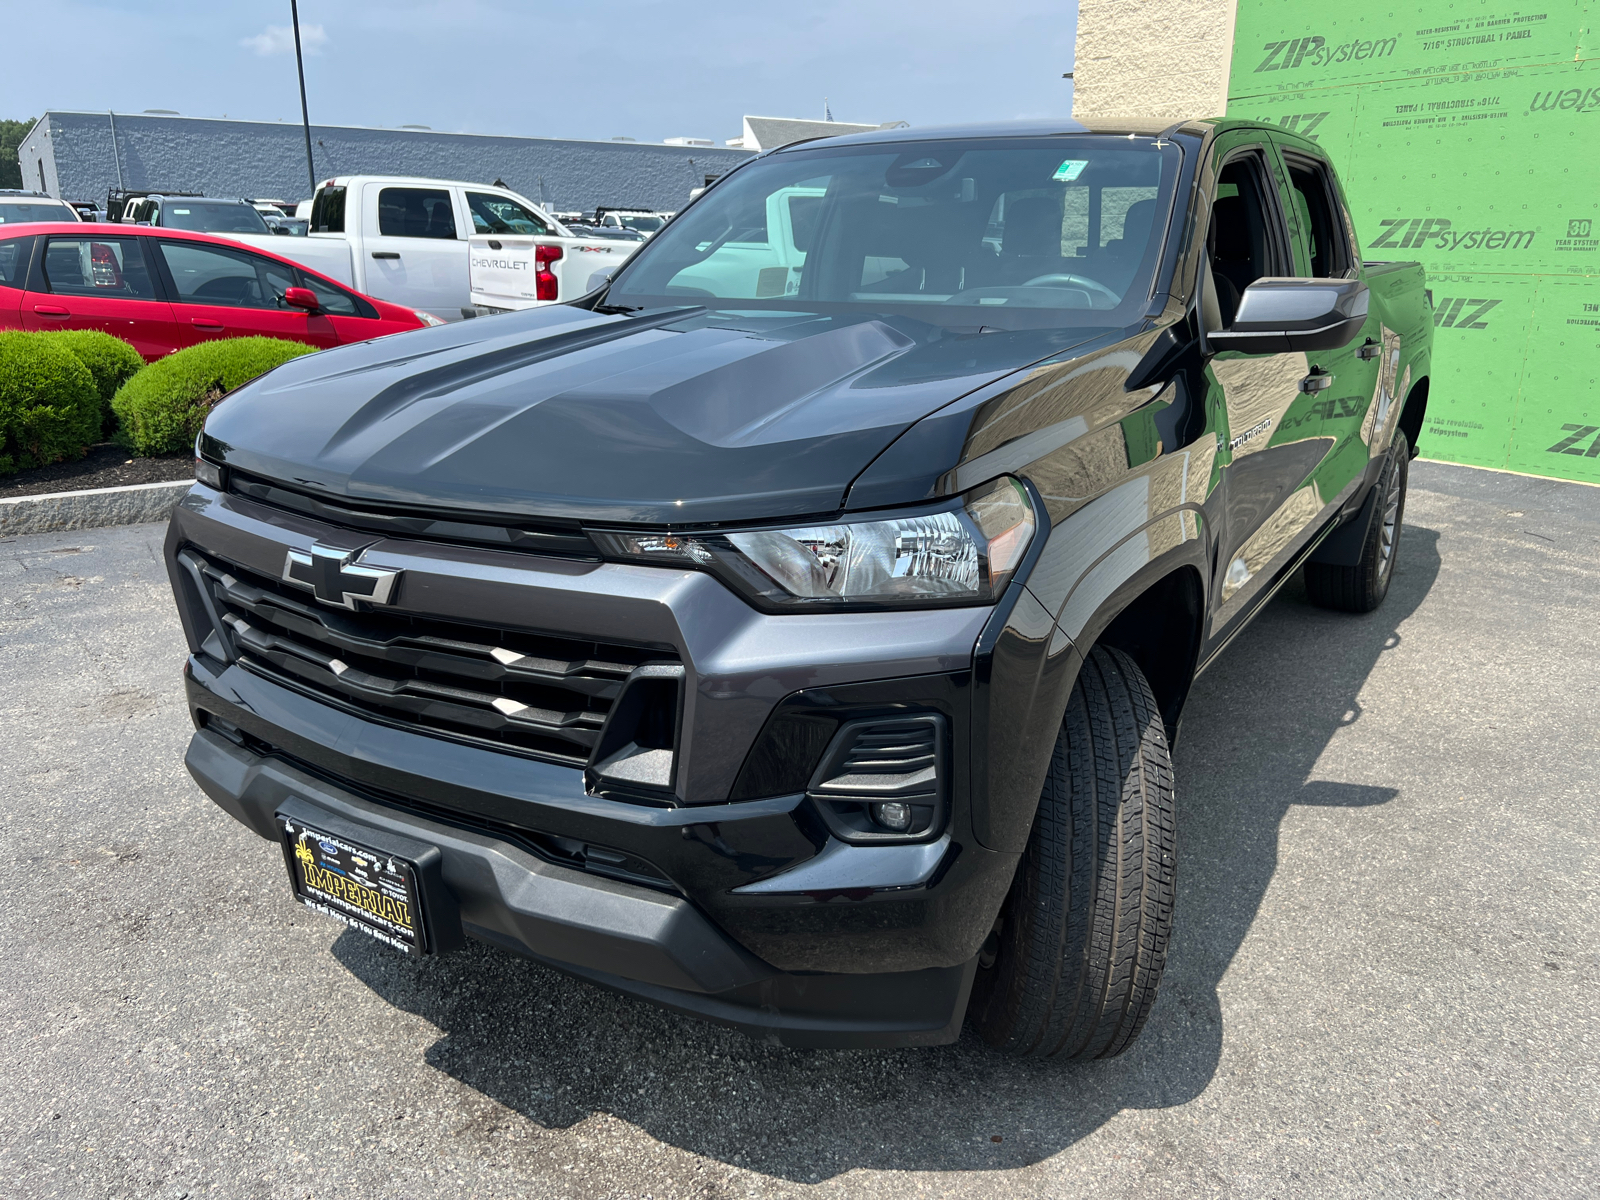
(263, 158)
(1468, 138)
(1138, 58)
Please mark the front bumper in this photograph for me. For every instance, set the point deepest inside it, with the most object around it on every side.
(631, 938)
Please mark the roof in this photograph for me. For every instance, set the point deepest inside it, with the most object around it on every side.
(1046, 127)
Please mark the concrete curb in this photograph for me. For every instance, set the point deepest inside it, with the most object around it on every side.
(93, 509)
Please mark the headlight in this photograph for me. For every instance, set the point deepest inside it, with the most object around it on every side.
(964, 553)
(427, 318)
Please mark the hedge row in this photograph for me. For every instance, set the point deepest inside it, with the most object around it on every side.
(62, 391)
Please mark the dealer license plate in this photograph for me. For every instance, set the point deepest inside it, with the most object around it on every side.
(373, 893)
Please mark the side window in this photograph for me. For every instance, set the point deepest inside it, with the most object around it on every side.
(14, 256)
(112, 267)
(327, 211)
(1321, 233)
(501, 214)
(415, 213)
(232, 278)
(1245, 241)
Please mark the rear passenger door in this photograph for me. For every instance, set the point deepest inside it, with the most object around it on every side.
(1355, 409)
(416, 251)
(222, 292)
(90, 281)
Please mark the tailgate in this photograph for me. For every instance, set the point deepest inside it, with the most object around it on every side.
(501, 270)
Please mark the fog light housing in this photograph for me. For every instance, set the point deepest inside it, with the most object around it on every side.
(884, 779)
(893, 816)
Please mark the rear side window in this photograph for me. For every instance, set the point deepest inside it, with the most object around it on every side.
(14, 262)
(1320, 232)
(327, 211)
(232, 278)
(416, 213)
(501, 214)
(111, 267)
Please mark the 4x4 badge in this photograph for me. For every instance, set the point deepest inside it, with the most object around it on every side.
(332, 574)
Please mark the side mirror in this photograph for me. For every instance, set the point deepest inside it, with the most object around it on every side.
(1278, 315)
(297, 297)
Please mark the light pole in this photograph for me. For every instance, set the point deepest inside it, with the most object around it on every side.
(305, 113)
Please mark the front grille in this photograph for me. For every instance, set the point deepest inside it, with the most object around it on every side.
(511, 689)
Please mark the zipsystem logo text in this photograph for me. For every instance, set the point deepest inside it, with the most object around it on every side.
(1314, 51)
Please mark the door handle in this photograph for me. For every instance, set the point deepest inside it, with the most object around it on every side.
(1317, 381)
(202, 323)
(51, 310)
(1369, 350)
(385, 254)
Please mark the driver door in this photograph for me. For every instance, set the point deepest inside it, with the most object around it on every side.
(1267, 515)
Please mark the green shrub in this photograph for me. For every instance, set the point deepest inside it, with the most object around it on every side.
(49, 409)
(161, 409)
(110, 360)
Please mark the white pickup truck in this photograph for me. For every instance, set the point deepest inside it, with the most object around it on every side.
(409, 240)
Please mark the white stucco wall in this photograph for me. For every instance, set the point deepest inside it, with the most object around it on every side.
(1152, 58)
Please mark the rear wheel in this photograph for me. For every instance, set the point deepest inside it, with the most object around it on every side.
(1076, 957)
(1361, 588)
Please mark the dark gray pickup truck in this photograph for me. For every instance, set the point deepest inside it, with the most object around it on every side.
(793, 632)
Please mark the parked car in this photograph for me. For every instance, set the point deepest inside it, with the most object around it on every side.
(794, 632)
(18, 207)
(164, 289)
(282, 226)
(87, 210)
(640, 220)
(120, 200)
(406, 239)
(240, 221)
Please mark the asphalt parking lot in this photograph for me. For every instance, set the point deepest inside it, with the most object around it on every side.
(1384, 979)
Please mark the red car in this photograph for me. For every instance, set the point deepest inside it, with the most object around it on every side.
(164, 289)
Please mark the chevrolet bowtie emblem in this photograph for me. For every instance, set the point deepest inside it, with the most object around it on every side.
(333, 575)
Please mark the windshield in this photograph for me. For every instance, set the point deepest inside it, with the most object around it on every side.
(642, 224)
(997, 232)
(15, 212)
(211, 216)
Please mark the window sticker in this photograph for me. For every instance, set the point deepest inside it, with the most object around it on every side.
(1070, 170)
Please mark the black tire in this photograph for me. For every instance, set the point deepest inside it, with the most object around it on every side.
(1361, 588)
(1073, 967)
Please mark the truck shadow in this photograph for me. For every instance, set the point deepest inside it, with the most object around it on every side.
(557, 1051)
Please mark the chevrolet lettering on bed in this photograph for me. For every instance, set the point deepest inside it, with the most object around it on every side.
(769, 632)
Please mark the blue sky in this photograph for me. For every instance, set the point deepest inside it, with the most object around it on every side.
(647, 69)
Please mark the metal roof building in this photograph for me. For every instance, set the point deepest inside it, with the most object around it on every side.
(82, 155)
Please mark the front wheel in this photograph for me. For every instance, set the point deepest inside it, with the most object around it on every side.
(1361, 588)
(1073, 966)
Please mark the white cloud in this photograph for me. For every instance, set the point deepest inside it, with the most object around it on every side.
(279, 39)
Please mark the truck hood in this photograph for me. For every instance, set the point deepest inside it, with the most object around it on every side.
(675, 417)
